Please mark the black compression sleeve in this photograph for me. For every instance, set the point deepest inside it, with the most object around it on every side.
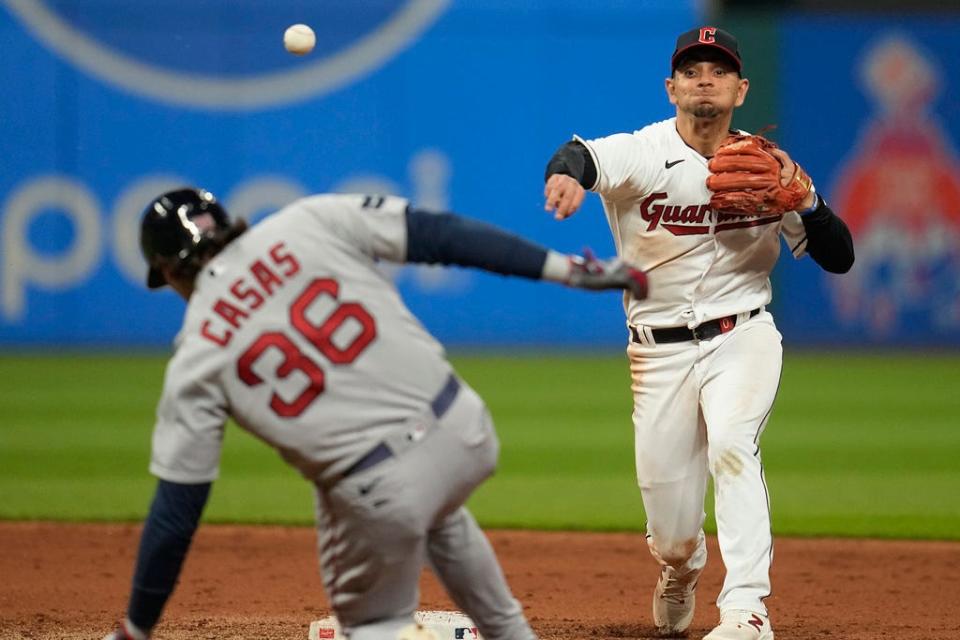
(174, 516)
(447, 238)
(829, 242)
(573, 159)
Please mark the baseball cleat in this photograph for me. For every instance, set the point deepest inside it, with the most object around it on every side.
(673, 603)
(741, 625)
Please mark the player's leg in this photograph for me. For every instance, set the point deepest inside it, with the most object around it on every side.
(464, 561)
(379, 519)
(742, 375)
(671, 468)
(373, 525)
(464, 453)
(372, 582)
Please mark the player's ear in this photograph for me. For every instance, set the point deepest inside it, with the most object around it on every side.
(670, 86)
(742, 89)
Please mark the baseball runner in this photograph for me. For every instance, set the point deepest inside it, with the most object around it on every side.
(705, 355)
(291, 329)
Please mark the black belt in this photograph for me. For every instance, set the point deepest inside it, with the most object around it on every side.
(703, 331)
(441, 403)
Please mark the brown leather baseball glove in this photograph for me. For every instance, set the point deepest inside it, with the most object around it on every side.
(745, 179)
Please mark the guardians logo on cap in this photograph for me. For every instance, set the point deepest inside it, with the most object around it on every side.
(707, 37)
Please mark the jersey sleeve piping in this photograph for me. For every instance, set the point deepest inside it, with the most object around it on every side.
(798, 249)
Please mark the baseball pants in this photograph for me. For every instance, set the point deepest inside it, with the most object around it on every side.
(700, 408)
(378, 529)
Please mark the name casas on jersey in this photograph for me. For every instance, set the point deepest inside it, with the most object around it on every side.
(296, 333)
(263, 278)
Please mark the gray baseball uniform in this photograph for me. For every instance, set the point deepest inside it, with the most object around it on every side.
(294, 332)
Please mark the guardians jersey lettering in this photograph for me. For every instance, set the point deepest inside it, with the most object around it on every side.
(246, 298)
(706, 264)
(685, 220)
(690, 216)
(726, 222)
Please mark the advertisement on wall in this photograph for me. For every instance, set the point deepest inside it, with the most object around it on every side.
(874, 119)
(456, 106)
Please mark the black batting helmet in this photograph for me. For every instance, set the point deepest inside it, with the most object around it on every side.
(175, 228)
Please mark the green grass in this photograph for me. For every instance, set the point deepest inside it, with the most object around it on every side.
(858, 445)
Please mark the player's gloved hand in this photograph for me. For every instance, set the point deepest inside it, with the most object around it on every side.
(750, 176)
(590, 273)
(126, 630)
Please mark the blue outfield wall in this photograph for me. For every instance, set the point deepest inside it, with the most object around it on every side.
(870, 106)
(453, 104)
(456, 105)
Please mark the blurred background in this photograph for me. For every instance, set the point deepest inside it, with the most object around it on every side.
(458, 105)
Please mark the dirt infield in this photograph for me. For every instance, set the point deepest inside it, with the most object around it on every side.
(70, 581)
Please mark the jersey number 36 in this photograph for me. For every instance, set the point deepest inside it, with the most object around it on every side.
(319, 335)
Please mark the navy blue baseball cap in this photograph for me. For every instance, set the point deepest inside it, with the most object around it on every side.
(707, 37)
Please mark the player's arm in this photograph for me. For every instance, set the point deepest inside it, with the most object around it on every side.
(829, 242)
(569, 173)
(167, 533)
(573, 159)
(827, 238)
(447, 238)
(618, 166)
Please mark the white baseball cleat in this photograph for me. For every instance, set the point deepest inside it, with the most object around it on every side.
(673, 603)
(741, 625)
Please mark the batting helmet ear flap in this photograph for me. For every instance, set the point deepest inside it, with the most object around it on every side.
(175, 228)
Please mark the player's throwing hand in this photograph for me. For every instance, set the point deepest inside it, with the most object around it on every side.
(564, 195)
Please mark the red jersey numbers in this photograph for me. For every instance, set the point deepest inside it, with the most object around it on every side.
(293, 360)
(321, 336)
(345, 331)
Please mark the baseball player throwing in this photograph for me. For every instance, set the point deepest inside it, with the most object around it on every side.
(705, 355)
(292, 330)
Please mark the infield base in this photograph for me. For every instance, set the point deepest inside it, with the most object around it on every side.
(448, 625)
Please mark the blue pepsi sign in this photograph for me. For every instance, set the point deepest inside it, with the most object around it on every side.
(454, 105)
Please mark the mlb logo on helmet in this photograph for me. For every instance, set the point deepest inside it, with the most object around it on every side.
(466, 633)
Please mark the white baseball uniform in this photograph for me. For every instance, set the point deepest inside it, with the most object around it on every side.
(294, 332)
(700, 405)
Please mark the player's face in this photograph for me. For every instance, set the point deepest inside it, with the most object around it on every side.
(706, 88)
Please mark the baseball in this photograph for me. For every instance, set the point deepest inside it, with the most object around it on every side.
(299, 39)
